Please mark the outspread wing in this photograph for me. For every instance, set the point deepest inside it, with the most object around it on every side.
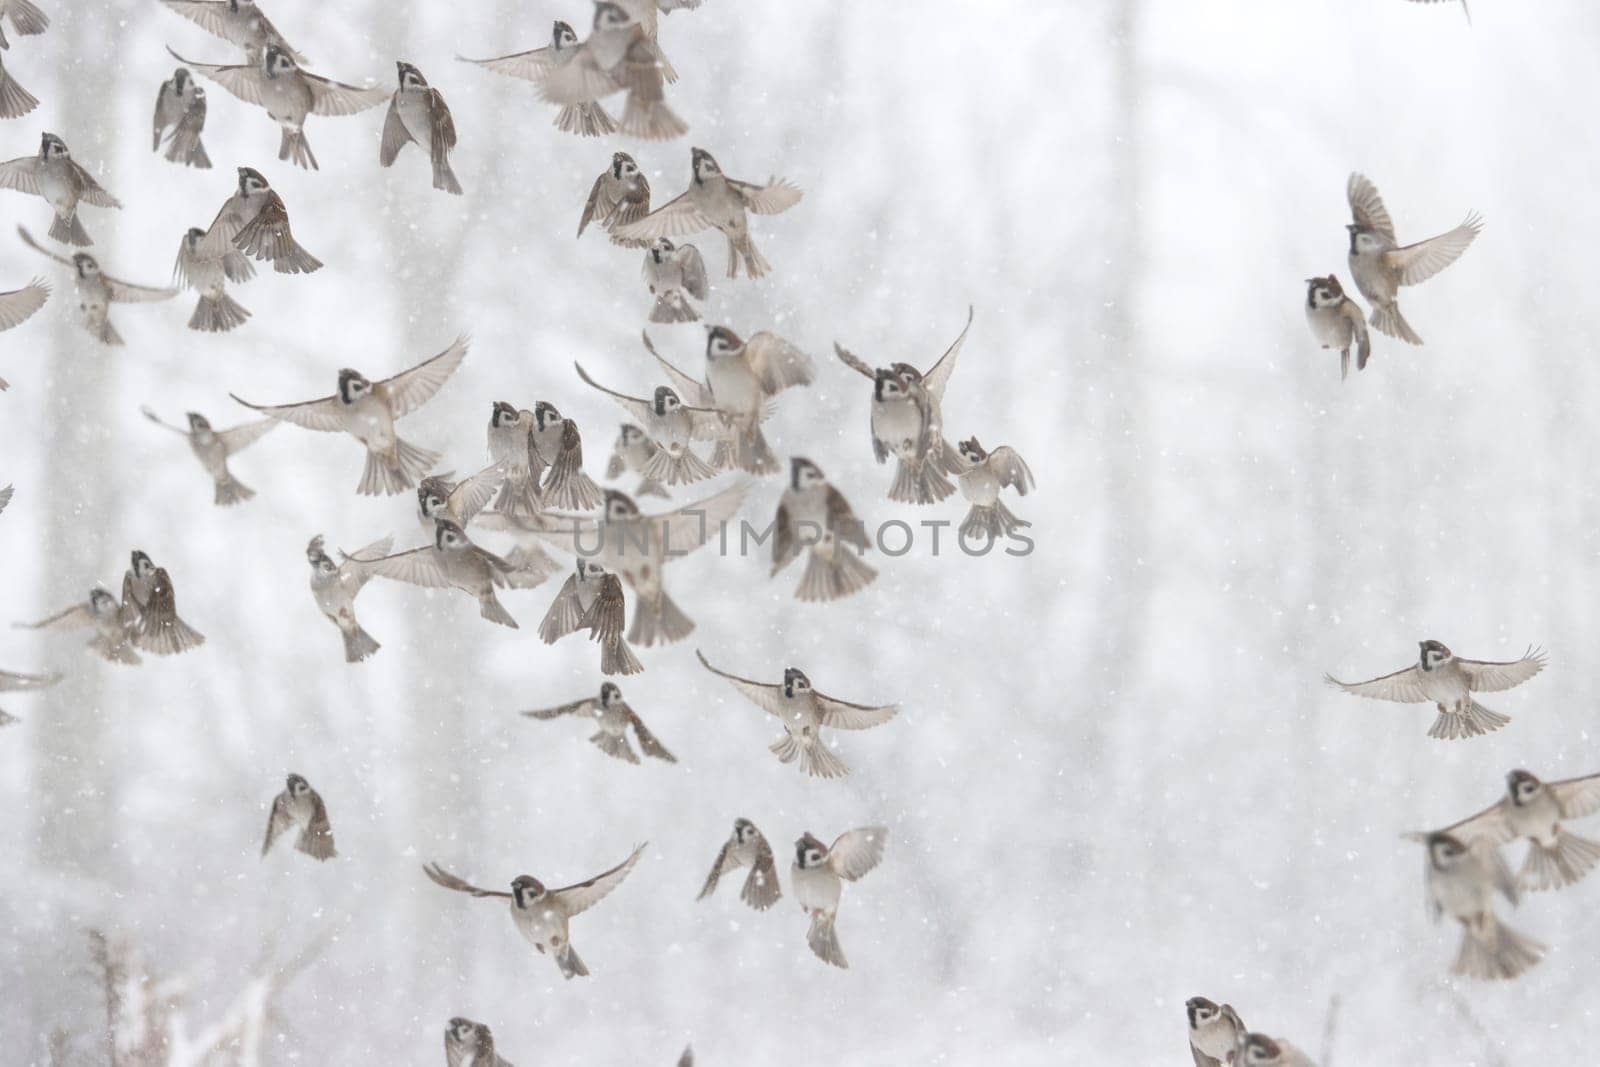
(938, 375)
(1492, 677)
(689, 391)
(777, 363)
(727, 860)
(27, 239)
(585, 706)
(395, 134)
(1577, 796)
(779, 194)
(410, 389)
(420, 566)
(474, 493)
(1008, 466)
(854, 362)
(1403, 687)
(325, 414)
(767, 697)
(10, 681)
(1490, 823)
(857, 851)
(638, 408)
(242, 437)
(17, 305)
(693, 525)
(579, 898)
(329, 97)
(1423, 260)
(247, 81)
(843, 715)
(675, 218)
(76, 617)
(439, 876)
(207, 14)
(1366, 206)
(358, 565)
(693, 265)
(649, 744)
(532, 65)
(89, 190)
(21, 174)
(127, 293)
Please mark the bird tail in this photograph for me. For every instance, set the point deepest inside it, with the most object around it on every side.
(991, 522)
(760, 890)
(528, 567)
(1492, 950)
(185, 148)
(518, 496)
(489, 607)
(231, 491)
(1562, 864)
(317, 846)
(615, 745)
(108, 333)
(919, 482)
(388, 475)
(820, 761)
(658, 621)
(571, 490)
(1476, 720)
(295, 147)
(70, 231)
(15, 101)
(217, 314)
(585, 120)
(651, 487)
(168, 636)
(651, 120)
(1386, 318)
(443, 177)
(835, 576)
(751, 451)
(571, 966)
(684, 469)
(673, 306)
(358, 644)
(617, 658)
(755, 264)
(277, 244)
(824, 940)
(116, 651)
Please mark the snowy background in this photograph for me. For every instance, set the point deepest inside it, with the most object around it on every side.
(1118, 780)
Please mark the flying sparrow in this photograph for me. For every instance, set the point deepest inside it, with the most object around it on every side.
(542, 915)
(907, 423)
(208, 274)
(150, 610)
(612, 717)
(620, 194)
(1259, 1050)
(288, 94)
(815, 517)
(212, 448)
(633, 451)
(592, 599)
(714, 201)
(804, 713)
(1336, 322)
(671, 427)
(239, 22)
(96, 292)
(254, 221)
(617, 56)
(12, 682)
(15, 101)
(982, 476)
(334, 587)
(452, 561)
(638, 547)
(746, 847)
(1381, 266)
(560, 449)
(1214, 1032)
(418, 115)
(367, 411)
(818, 875)
(1461, 883)
(299, 807)
(1535, 810)
(25, 18)
(584, 119)
(181, 108)
(670, 271)
(1448, 683)
(63, 184)
(470, 1044)
(102, 614)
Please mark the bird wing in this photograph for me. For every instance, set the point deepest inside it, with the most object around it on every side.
(77, 616)
(127, 293)
(568, 532)
(857, 851)
(89, 190)
(854, 362)
(638, 408)
(1203, 1060)
(410, 389)
(243, 80)
(687, 528)
(278, 821)
(563, 615)
(785, 540)
(1577, 796)
(600, 204)
(532, 65)
(607, 617)
(577, 81)
(585, 706)
(1423, 260)
(777, 363)
(938, 375)
(675, 218)
(842, 521)
(183, 267)
(727, 860)
(10, 681)
(241, 437)
(1008, 466)
(17, 305)
(649, 744)
(329, 97)
(576, 899)
(207, 14)
(27, 238)
(689, 391)
(473, 494)
(419, 566)
(767, 697)
(395, 134)
(439, 876)
(1492, 677)
(693, 266)
(779, 194)
(441, 124)
(21, 174)
(358, 565)
(325, 414)
(316, 840)
(1490, 823)
(843, 715)
(1366, 206)
(1403, 687)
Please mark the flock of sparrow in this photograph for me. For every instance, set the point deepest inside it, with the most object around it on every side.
(533, 488)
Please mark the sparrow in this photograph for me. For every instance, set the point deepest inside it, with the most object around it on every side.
(638, 547)
(1535, 810)
(254, 221)
(908, 424)
(334, 587)
(592, 599)
(671, 427)
(1336, 322)
(1259, 1050)
(25, 18)
(511, 447)
(1461, 883)
(819, 873)
(1381, 266)
(1448, 683)
(617, 56)
(150, 610)
(367, 410)
(212, 448)
(96, 291)
(983, 475)
(542, 915)
(587, 119)
(299, 807)
(620, 194)
(239, 22)
(452, 561)
(459, 502)
(560, 449)
(100, 613)
(1214, 1032)
(804, 713)
(208, 274)
(670, 271)
(63, 184)
(741, 377)
(181, 107)
(814, 516)
(714, 201)
(288, 94)
(12, 682)
(15, 101)
(418, 115)
(633, 451)
(746, 847)
(612, 716)
(470, 1044)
